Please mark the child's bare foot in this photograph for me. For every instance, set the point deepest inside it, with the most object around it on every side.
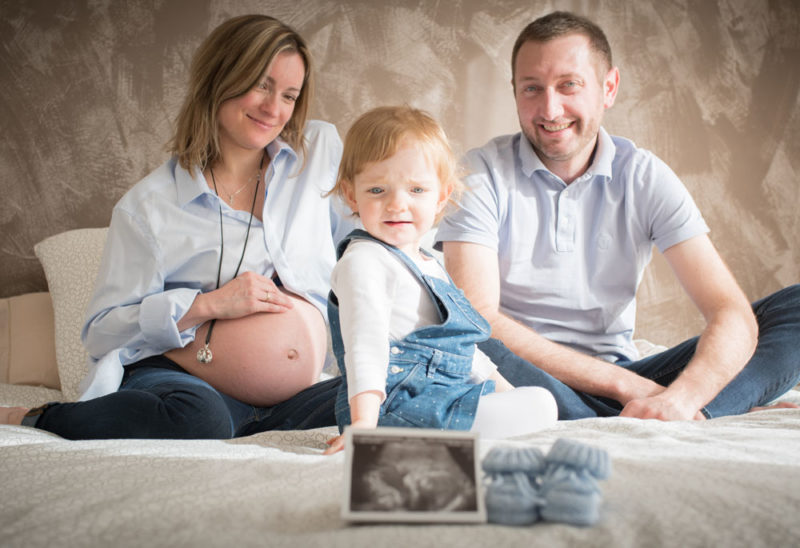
(12, 415)
(781, 405)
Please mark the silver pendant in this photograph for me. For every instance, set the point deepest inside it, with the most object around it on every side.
(204, 355)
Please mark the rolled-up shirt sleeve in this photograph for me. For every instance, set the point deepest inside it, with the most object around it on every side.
(159, 315)
(130, 308)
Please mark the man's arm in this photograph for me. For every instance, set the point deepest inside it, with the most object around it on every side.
(474, 269)
(726, 344)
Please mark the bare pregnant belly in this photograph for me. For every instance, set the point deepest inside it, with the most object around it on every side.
(262, 359)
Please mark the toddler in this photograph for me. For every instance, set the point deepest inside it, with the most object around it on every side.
(403, 334)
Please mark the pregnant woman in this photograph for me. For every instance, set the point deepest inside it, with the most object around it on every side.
(207, 319)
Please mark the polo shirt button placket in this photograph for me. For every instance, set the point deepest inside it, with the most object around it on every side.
(565, 222)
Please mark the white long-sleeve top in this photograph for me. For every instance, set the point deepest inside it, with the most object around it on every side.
(380, 300)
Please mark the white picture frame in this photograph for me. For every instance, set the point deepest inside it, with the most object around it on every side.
(412, 475)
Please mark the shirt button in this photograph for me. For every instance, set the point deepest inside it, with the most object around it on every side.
(395, 369)
(395, 350)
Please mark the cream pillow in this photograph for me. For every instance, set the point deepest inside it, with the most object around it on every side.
(27, 345)
(71, 261)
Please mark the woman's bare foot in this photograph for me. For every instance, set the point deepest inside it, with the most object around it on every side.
(12, 415)
(781, 405)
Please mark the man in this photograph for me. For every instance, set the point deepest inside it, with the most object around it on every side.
(558, 226)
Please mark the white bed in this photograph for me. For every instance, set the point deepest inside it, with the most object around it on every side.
(732, 481)
(726, 482)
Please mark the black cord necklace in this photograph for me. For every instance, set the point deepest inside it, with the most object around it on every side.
(204, 355)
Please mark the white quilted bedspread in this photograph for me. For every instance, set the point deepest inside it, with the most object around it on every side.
(732, 481)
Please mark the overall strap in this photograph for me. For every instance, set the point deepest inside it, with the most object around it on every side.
(359, 234)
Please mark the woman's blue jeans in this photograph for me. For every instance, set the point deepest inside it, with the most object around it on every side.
(772, 371)
(158, 399)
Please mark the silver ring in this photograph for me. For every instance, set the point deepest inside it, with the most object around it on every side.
(267, 296)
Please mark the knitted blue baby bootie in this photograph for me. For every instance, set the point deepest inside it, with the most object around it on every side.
(569, 484)
(512, 497)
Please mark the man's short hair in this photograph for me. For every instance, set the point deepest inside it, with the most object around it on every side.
(560, 23)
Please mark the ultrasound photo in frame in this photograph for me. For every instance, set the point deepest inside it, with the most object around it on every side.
(412, 475)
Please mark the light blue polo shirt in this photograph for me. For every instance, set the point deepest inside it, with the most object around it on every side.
(571, 256)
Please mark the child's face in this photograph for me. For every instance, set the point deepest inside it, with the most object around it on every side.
(398, 198)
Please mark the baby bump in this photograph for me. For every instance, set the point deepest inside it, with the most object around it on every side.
(261, 359)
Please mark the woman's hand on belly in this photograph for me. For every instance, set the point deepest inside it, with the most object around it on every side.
(246, 294)
(262, 358)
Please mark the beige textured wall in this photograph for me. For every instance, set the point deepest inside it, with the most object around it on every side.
(88, 91)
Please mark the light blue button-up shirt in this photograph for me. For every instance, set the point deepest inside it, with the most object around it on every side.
(571, 256)
(163, 249)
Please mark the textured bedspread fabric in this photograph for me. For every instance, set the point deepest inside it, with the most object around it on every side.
(732, 481)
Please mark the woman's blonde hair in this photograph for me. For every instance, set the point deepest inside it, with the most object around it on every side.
(230, 62)
(379, 133)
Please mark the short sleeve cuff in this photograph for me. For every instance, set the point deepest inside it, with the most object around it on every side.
(686, 232)
(447, 232)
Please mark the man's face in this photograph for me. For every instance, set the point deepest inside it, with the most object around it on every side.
(561, 99)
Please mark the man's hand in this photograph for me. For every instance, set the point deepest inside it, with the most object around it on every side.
(649, 400)
(661, 407)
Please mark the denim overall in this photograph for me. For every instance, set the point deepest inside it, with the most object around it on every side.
(428, 377)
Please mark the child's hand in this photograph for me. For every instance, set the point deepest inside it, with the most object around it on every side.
(334, 445)
(364, 410)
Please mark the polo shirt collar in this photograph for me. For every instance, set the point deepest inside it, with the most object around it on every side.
(529, 160)
(603, 158)
(604, 155)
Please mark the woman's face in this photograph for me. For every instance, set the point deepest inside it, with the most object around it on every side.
(253, 120)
